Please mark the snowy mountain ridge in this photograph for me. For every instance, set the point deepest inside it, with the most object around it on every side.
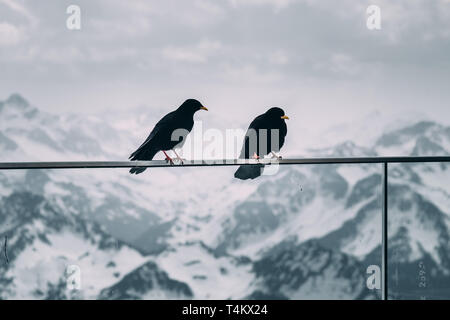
(308, 231)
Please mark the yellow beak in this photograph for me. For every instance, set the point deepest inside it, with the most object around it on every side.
(204, 108)
(285, 117)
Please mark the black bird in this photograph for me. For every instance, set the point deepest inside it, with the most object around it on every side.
(160, 138)
(261, 130)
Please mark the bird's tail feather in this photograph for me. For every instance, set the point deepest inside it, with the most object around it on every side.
(141, 155)
(137, 170)
(249, 171)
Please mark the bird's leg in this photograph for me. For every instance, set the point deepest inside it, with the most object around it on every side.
(178, 157)
(274, 155)
(168, 159)
(255, 156)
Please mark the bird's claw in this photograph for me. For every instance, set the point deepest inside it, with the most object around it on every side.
(169, 160)
(256, 157)
(275, 156)
(181, 160)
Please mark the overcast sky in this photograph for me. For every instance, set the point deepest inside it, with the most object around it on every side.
(317, 59)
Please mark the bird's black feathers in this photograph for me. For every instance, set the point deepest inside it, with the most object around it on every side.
(170, 132)
(250, 171)
(258, 140)
(137, 170)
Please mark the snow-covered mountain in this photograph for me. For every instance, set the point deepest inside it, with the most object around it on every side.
(305, 232)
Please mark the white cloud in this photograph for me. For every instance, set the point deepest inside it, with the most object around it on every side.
(277, 4)
(279, 57)
(195, 54)
(209, 7)
(15, 6)
(257, 52)
(196, 14)
(339, 63)
(250, 74)
(9, 34)
(342, 63)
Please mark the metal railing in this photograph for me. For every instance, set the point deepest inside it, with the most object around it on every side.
(235, 162)
(202, 163)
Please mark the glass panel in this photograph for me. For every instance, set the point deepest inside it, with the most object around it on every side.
(419, 231)
(307, 232)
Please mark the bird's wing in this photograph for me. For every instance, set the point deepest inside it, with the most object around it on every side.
(162, 124)
(283, 134)
(256, 124)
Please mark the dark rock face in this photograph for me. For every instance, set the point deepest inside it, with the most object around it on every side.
(147, 280)
(285, 269)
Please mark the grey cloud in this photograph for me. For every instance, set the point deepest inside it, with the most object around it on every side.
(241, 55)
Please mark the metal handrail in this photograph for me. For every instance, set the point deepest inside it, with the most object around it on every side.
(234, 162)
(225, 162)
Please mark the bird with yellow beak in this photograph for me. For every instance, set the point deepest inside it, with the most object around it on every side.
(169, 133)
(272, 124)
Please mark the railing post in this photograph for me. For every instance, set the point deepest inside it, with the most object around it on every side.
(384, 239)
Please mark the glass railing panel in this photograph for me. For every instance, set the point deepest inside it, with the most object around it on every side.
(305, 232)
(419, 231)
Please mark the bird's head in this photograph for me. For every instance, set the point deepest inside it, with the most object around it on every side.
(192, 106)
(277, 113)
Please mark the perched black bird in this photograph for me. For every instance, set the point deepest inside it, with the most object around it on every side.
(160, 139)
(258, 141)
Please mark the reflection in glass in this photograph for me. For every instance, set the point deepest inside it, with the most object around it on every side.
(307, 232)
(419, 234)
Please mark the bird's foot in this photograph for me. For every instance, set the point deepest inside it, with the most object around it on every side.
(170, 160)
(179, 158)
(256, 157)
(275, 156)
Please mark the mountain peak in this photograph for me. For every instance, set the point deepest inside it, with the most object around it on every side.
(344, 149)
(17, 100)
(17, 106)
(427, 135)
